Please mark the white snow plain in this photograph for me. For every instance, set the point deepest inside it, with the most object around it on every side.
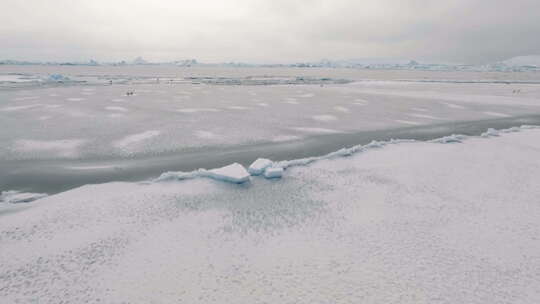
(455, 223)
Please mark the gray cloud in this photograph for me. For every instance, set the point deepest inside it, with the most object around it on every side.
(472, 31)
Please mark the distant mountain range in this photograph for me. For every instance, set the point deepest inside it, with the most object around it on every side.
(515, 64)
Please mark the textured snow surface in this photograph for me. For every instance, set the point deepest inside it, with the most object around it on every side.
(453, 223)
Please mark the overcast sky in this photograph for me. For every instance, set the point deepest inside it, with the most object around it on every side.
(467, 31)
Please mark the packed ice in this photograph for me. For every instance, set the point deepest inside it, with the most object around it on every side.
(147, 183)
(326, 233)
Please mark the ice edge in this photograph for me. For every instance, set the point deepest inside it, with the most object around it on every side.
(344, 152)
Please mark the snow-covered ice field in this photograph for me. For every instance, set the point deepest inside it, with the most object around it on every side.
(55, 128)
(454, 223)
(101, 201)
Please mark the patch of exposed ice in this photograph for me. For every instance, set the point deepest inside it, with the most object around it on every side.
(196, 110)
(496, 114)
(453, 106)
(205, 134)
(25, 98)
(262, 104)
(282, 138)
(426, 116)
(291, 100)
(238, 108)
(114, 108)
(324, 118)
(360, 100)
(408, 122)
(64, 148)
(19, 108)
(308, 95)
(315, 130)
(83, 168)
(136, 138)
(75, 99)
(341, 109)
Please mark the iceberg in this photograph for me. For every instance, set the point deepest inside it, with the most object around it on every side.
(258, 166)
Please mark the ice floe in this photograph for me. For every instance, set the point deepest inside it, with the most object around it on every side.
(259, 165)
(234, 173)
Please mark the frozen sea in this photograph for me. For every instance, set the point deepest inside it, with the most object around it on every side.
(428, 217)
(85, 130)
